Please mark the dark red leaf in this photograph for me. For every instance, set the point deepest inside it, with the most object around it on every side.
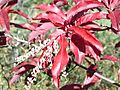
(83, 6)
(60, 2)
(2, 39)
(79, 56)
(8, 2)
(91, 17)
(24, 26)
(115, 19)
(21, 69)
(90, 81)
(88, 37)
(93, 52)
(91, 78)
(117, 45)
(60, 60)
(111, 58)
(78, 42)
(51, 8)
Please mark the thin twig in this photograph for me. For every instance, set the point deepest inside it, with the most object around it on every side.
(98, 75)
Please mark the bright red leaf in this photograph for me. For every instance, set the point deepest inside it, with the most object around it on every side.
(88, 37)
(91, 17)
(51, 8)
(4, 20)
(41, 16)
(60, 60)
(44, 28)
(83, 6)
(115, 19)
(57, 20)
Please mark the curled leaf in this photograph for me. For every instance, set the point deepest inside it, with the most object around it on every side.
(20, 70)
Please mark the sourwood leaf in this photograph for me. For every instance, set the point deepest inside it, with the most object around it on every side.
(86, 35)
(83, 6)
(51, 8)
(60, 60)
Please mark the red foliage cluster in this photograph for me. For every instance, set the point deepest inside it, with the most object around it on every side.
(74, 31)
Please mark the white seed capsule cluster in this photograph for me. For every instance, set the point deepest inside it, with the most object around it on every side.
(48, 49)
(55, 47)
(32, 51)
(47, 56)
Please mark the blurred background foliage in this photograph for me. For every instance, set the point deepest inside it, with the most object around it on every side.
(44, 82)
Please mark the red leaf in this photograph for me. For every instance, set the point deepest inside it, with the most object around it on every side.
(111, 58)
(4, 20)
(56, 33)
(45, 27)
(78, 42)
(88, 37)
(111, 4)
(21, 69)
(41, 16)
(26, 65)
(60, 2)
(19, 12)
(115, 19)
(117, 45)
(92, 26)
(60, 60)
(91, 17)
(2, 2)
(77, 1)
(78, 55)
(24, 26)
(83, 6)
(91, 79)
(51, 8)
(93, 52)
(13, 79)
(57, 20)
